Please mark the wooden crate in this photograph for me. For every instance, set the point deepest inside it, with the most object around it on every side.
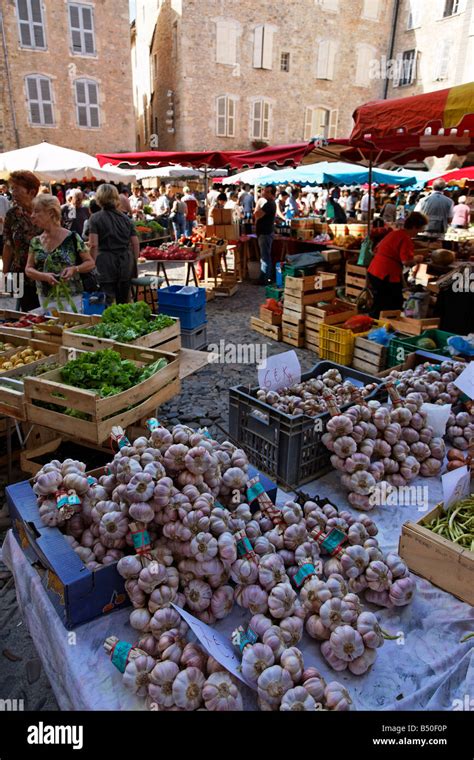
(293, 334)
(356, 280)
(12, 400)
(168, 339)
(21, 342)
(13, 316)
(143, 398)
(369, 356)
(292, 317)
(270, 331)
(408, 325)
(329, 317)
(268, 316)
(438, 560)
(332, 256)
(54, 333)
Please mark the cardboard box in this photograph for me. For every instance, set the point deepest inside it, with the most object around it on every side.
(440, 561)
(78, 595)
(232, 232)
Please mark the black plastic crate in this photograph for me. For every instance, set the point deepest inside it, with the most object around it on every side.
(288, 447)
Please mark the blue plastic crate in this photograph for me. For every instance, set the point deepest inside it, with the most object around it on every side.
(189, 318)
(94, 303)
(174, 297)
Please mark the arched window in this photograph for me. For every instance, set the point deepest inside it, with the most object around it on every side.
(39, 93)
(87, 103)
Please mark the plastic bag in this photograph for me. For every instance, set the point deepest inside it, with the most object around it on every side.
(380, 335)
(437, 417)
(366, 253)
(459, 345)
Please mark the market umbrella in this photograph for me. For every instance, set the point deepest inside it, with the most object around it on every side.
(337, 173)
(459, 177)
(53, 163)
(249, 177)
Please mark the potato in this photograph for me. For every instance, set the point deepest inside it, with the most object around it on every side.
(29, 359)
(7, 365)
(19, 364)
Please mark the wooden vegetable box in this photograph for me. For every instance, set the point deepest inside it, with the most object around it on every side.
(408, 325)
(369, 356)
(12, 400)
(168, 339)
(438, 560)
(54, 333)
(356, 280)
(269, 316)
(122, 409)
(270, 331)
(21, 342)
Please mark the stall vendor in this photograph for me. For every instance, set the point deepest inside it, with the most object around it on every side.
(385, 272)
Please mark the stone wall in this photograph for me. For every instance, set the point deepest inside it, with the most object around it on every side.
(185, 44)
(110, 68)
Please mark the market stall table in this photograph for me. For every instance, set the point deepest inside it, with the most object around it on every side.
(426, 669)
(190, 267)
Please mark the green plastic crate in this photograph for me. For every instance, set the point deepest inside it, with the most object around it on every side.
(271, 291)
(303, 271)
(402, 345)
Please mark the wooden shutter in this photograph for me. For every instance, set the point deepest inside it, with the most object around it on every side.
(330, 5)
(40, 103)
(414, 14)
(75, 24)
(333, 120)
(362, 70)
(267, 56)
(33, 99)
(46, 100)
(442, 63)
(221, 110)
(258, 46)
(323, 59)
(24, 23)
(93, 101)
(37, 22)
(265, 120)
(88, 30)
(230, 117)
(257, 120)
(81, 100)
(308, 124)
(226, 43)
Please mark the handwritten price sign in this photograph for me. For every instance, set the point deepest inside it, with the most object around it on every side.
(456, 486)
(280, 371)
(217, 645)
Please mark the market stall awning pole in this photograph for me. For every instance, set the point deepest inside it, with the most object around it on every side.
(369, 226)
(206, 191)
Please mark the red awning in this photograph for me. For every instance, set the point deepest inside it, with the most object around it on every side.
(450, 109)
(459, 177)
(279, 154)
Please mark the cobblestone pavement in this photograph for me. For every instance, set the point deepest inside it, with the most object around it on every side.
(203, 401)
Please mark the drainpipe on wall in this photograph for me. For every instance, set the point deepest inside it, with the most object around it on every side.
(393, 33)
(9, 82)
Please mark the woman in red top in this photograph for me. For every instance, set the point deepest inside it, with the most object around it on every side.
(385, 271)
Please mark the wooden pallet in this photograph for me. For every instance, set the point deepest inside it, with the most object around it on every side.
(270, 331)
(369, 356)
(122, 409)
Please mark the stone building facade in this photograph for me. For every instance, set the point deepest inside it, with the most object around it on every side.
(235, 74)
(65, 75)
(433, 46)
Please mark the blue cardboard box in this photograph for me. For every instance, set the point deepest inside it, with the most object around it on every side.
(78, 594)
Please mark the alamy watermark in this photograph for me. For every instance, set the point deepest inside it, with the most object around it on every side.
(12, 705)
(385, 495)
(466, 704)
(238, 353)
(12, 284)
(463, 281)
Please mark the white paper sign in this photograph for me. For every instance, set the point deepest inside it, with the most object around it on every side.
(437, 417)
(465, 381)
(280, 371)
(217, 645)
(456, 485)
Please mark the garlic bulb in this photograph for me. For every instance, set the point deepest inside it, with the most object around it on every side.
(161, 683)
(281, 601)
(255, 660)
(292, 660)
(187, 689)
(137, 674)
(297, 700)
(273, 683)
(220, 693)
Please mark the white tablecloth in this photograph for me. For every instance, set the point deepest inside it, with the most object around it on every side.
(429, 670)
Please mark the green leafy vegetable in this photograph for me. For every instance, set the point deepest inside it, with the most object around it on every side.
(127, 322)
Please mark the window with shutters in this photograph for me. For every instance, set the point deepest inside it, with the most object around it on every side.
(87, 103)
(365, 55)
(39, 95)
(443, 60)
(31, 24)
(260, 117)
(326, 59)
(81, 24)
(263, 47)
(225, 116)
(407, 66)
(285, 62)
(451, 7)
(371, 9)
(226, 42)
(320, 122)
(414, 14)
